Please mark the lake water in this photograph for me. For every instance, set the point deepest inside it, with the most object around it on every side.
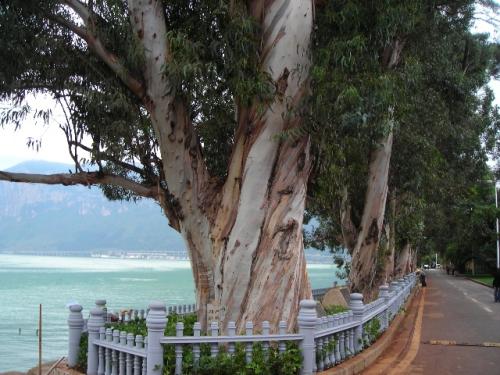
(27, 281)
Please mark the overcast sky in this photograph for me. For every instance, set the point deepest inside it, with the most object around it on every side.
(13, 149)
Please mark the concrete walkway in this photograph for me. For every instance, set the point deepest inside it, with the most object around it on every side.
(449, 331)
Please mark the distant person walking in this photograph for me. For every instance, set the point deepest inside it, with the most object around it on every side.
(496, 286)
(422, 279)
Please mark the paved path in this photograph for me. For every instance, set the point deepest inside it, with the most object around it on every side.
(458, 316)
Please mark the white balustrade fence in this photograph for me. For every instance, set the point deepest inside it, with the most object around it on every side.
(324, 341)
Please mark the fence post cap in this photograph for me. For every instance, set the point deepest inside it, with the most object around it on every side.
(96, 312)
(356, 297)
(307, 314)
(100, 302)
(75, 308)
(308, 304)
(156, 319)
(356, 304)
(157, 305)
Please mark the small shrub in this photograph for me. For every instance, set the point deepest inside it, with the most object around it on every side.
(81, 364)
(335, 309)
(273, 363)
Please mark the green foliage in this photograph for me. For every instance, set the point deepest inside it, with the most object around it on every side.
(214, 63)
(429, 98)
(270, 363)
(335, 309)
(81, 363)
(372, 331)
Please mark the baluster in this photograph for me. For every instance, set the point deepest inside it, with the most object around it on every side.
(100, 366)
(139, 344)
(249, 346)
(336, 323)
(136, 314)
(266, 328)
(122, 355)
(170, 310)
(351, 334)
(130, 357)
(109, 338)
(342, 338)
(319, 347)
(184, 309)
(282, 331)
(122, 316)
(114, 353)
(196, 347)
(366, 336)
(141, 314)
(145, 360)
(350, 319)
(346, 335)
(179, 332)
(214, 347)
(231, 331)
(332, 340)
(326, 342)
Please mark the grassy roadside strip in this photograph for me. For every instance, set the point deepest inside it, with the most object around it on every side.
(483, 280)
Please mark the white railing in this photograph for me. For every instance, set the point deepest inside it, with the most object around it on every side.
(340, 336)
(323, 341)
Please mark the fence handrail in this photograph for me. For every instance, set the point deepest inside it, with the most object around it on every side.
(227, 339)
(332, 330)
(121, 348)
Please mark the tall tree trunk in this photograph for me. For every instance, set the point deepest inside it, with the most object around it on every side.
(389, 256)
(403, 261)
(364, 255)
(260, 270)
(244, 239)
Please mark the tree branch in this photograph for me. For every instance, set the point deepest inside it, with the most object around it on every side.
(79, 9)
(349, 230)
(84, 178)
(94, 43)
(110, 158)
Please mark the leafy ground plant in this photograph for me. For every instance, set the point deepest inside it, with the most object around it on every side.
(270, 362)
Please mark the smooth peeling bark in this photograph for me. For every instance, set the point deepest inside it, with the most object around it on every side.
(391, 234)
(244, 241)
(183, 165)
(260, 272)
(404, 261)
(364, 256)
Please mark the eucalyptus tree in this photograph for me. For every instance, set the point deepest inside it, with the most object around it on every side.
(404, 84)
(183, 102)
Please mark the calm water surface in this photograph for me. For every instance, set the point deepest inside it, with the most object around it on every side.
(27, 281)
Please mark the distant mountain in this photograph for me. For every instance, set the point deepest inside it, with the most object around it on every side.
(36, 217)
